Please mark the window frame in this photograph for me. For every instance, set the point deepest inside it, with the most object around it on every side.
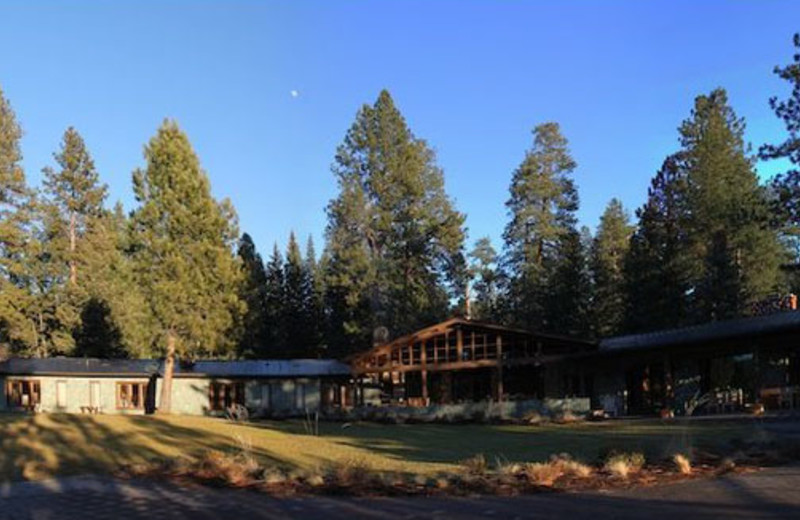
(132, 403)
(223, 394)
(62, 402)
(34, 393)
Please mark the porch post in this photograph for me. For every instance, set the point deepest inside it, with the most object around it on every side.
(499, 367)
(424, 372)
(757, 367)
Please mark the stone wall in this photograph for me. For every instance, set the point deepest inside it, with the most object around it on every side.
(481, 410)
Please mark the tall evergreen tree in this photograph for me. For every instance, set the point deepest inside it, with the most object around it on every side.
(568, 298)
(297, 303)
(184, 243)
(276, 342)
(737, 255)
(253, 336)
(32, 320)
(609, 249)
(76, 194)
(483, 270)
(657, 267)
(541, 230)
(115, 318)
(316, 311)
(81, 236)
(786, 186)
(395, 240)
(19, 322)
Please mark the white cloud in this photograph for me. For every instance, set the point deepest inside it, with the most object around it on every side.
(294, 93)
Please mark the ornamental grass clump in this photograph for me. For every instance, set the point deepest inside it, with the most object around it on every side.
(352, 473)
(476, 466)
(682, 463)
(623, 465)
(562, 465)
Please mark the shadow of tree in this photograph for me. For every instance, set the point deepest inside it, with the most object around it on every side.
(39, 446)
(432, 443)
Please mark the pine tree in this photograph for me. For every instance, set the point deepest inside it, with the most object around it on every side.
(24, 316)
(76, 195)
(184, 253)
(115, 318)
(483, 270)
(316, 311)
(297, 303)
(395, 240)
(541, 231)
(786, 186)
(737, 255)
(567, 300)
(658, 268)
(80, 236)
(609, 248)
(253, 337)
(276, 343)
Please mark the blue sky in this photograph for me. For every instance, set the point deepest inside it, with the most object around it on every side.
(472, 78)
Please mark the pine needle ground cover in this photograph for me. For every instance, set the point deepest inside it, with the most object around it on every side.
(46, 445)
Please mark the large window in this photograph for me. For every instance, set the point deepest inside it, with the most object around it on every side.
(131, 396)
(61, 394)
(223, 395)
(23, 393)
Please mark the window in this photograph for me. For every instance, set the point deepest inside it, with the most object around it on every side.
(94, 394)
(131, 396)
(61, 394)
(300, 396)
(23, 394)
(223, 395)
(266, 396)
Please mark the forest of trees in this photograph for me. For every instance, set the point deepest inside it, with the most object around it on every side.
(174, 278)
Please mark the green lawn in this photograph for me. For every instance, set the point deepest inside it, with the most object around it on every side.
(35, 447)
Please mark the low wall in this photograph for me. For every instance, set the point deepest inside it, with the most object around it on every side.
(480, 410)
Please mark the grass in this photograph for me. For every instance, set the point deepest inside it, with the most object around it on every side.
(33, 447)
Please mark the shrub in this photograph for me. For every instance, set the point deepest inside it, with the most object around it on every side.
(571, 467)
(533, 417)
(475, 466)
(350, 473)
(543, 473)
(546, 473)
(232, 469)
(274, 477)
(567, 417)
(683, 464)
(624, 464)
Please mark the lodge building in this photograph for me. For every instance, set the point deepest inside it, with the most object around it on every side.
(719, 367)
(711, 368)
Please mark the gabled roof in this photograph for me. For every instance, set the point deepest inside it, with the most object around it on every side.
(444, 326)
(715, 331)
(147, 367)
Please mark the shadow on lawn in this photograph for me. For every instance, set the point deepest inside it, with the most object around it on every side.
(39, 446)
(587, 442)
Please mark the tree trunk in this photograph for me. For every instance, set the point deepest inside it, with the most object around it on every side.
(165, 406)
(73, 269)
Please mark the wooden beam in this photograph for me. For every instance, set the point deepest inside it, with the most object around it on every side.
(499, 367)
